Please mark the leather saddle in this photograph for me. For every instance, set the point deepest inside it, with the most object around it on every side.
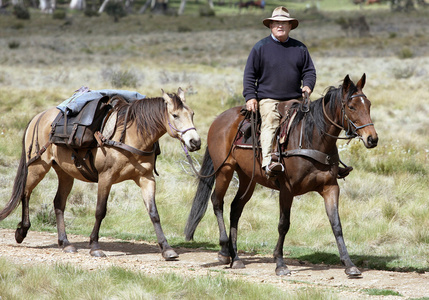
(287, 110)
(77, 131)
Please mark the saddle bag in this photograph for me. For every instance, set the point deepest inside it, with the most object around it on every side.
(77, 131)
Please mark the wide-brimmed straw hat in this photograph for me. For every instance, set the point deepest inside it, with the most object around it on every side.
(281, 14)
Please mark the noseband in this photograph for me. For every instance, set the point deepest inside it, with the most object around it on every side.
(182, 132)
(352, 127)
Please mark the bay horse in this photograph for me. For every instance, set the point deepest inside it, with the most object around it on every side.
(146, 120)
(316, 131)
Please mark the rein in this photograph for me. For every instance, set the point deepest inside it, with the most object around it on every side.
(191, 162)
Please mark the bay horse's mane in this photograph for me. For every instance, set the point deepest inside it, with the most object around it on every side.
(149, 113)
(332, 98)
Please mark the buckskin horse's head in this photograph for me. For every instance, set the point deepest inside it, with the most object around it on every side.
(180, 120)
(356, 113)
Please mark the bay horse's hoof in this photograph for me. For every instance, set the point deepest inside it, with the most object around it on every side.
(70, 249)
(20, 235)
(169, 254)
(353, 272)
(97, 253)
(237, 264)
(223, 259)
(282, 271)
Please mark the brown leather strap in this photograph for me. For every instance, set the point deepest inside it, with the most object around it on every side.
(321, 157)
(103, 141)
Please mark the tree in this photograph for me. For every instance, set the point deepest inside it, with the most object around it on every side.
(47, 6)
(78, 4)
(183, 3)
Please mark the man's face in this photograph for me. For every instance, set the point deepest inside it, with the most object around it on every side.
(280, 29)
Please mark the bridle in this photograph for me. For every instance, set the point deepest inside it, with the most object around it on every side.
(182, 132)
(352, 128)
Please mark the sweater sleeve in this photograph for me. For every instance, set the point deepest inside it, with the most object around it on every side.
(250, 77)
(308, 71)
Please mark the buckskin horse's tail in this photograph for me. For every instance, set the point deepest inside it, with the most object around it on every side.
(18, 185)
(201, 198)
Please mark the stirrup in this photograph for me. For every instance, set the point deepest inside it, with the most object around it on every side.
(273, 168)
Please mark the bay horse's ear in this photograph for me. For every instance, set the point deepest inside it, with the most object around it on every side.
(361, 82)
(181, 94)
(346, 85)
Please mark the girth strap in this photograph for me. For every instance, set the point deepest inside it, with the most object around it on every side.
(103, 141)
(321, 157)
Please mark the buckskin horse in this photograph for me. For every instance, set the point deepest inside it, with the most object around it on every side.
(145, 121)
(311, 164)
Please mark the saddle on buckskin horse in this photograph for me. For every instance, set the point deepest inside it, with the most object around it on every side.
(77, 131)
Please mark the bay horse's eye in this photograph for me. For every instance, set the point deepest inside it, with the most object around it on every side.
(352, 108)
(175, 116)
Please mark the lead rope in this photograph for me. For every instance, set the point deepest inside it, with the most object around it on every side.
(191, 162)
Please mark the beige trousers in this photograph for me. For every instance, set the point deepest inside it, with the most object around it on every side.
(270, 121)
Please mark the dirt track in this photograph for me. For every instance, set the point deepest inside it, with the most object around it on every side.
(40, 247)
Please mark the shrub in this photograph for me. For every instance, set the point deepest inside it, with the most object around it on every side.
(206, 11)
(59, 14)
(116, 10)
(405, 53)
(21, 12)
(120, 79)
(14, 45)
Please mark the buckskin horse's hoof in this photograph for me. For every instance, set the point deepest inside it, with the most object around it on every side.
(70, 249)
(223, 259)
(353, 272)
(237, 264)
(97, 253)
(170, 254)
(282, 271)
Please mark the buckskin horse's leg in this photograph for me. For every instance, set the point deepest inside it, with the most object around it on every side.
(285, 201)
(36, 172)
(147, 185)
(331, 196)
(104, 187)
(223, 178)
(65, 184)
(237, 207)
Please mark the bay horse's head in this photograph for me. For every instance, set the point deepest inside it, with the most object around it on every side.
(356, 112)
(180, 120)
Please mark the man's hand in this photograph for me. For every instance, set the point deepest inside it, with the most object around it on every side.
(306, 89)
(252, 105)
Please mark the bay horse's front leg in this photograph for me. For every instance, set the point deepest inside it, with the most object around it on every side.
(331, 196)
(285, 201)
(223, 178)
(237, 207)
(100, 213)
(147, 185)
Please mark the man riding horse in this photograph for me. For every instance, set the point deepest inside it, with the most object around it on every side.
(276, 68)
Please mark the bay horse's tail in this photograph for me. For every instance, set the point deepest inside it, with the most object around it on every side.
(201, 198)
(18, 185)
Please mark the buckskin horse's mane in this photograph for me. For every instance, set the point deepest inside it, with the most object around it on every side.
(316, 121)
(148, 113)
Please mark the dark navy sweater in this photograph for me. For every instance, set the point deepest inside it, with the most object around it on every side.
(278, 70)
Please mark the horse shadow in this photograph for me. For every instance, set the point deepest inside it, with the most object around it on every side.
(315, 261)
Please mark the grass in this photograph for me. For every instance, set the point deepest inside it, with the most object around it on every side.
(63, 281)
(383, 203)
